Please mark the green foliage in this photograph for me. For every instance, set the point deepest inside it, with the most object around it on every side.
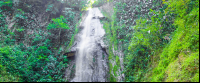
(69, 14)
(111, 55)
(76, 32)
(98, 3)
(110, 29)
(157, 34)
(184, 67)
(49, 7)
(58, 23)
(20, 29)
(53, 9)
(182, 41)
(154, 41)
(6, 3)
(7, 76)
(77, 4)
(33, 64)
(120, 32)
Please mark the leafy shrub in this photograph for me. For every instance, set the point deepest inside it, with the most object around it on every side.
(147, 30)
(33, 64)
(58, 23)
(6, 3)
(158, 33)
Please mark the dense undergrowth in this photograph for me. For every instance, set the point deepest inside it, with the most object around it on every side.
(160, 39)
(34, 34)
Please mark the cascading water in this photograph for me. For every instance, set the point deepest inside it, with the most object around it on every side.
(91, 60)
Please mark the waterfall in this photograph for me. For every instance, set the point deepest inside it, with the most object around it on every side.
(91, 62)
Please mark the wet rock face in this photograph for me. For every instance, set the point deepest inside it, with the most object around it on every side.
(100, 66)
(70, 71)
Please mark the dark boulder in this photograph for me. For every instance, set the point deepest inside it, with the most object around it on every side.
(70, 54)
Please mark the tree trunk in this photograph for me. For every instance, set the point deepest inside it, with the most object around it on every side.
(59, 37)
